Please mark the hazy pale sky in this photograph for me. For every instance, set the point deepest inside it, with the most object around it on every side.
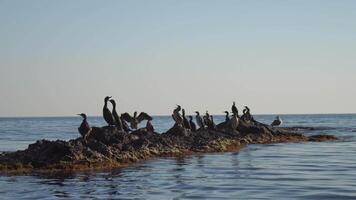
(60, 58)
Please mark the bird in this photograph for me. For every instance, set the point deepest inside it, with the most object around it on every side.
(135, 120)
(177, 117)
(277, 121)
(212, 123)
(199, 120)
(234, 109)
(84, 127)
(107, 114)
(193, 127)
(149, 126)
(125, 126)
(227, 118)
(185, 120)
(234, 122)
(246, 116)
(117, 119)
(206, 119)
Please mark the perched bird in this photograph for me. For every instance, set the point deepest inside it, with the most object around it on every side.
(107, 114)
(212, 123)
(246, 116)
(234, 122)
(234, 109)
(177, 117)
(277, 121)
(84, 127)
(227, 118)
(135, 120)
(206, 119)
(199, 120)
(125, 126)
(193, 127)
(117, 119)
(185, 121)
(149, 126)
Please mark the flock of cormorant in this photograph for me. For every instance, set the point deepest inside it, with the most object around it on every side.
(204, 122)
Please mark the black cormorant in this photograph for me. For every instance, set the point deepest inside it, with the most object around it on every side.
(177, 117)
(115, 115)
(193, 127)
(234, 122)
(125, 126)
(199, 120)
(107, 114)
(212, 123)
(84, 127)
(277, 121)
(135, 120)
(206, 119)
(227, 118)
(185, 120)
(234, 109)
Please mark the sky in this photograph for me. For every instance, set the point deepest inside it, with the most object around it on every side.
(60, 58)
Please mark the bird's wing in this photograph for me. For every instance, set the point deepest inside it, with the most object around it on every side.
(127, 117)
(143, 116)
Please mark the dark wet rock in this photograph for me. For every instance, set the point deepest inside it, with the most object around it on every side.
(108, 147)
(306, 128)
(321, 138)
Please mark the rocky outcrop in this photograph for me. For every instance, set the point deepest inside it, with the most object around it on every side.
(107, 147)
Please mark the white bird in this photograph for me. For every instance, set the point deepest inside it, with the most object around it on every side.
(277, 121)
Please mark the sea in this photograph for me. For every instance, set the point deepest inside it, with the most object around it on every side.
(307, 170)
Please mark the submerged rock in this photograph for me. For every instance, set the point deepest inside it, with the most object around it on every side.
(109, 147)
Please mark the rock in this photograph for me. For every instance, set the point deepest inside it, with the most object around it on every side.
(322, 138)
(109, 147)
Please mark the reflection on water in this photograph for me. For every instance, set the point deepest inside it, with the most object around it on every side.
(274, 171)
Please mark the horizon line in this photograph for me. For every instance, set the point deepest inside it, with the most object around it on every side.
(163, 115)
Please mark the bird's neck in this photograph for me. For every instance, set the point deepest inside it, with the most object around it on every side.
(105, 104)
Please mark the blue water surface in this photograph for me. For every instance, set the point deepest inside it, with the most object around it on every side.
(308, 170)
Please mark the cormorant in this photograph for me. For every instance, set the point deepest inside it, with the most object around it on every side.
(177, 117)
(115, 115)
(193, 127)
(125, 126)
(185, 120)
(84, 127)
(227, 118)
(149, 126)
(135, 120)
(199, 120)
(206, 119)
(107, 114)
(277, 121)
(234, 122)
(234, 109)
(212, 123)
(246, 114)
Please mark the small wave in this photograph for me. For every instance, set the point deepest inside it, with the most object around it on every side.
(310, 128)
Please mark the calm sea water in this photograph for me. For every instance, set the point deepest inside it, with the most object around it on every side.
(277, 171)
